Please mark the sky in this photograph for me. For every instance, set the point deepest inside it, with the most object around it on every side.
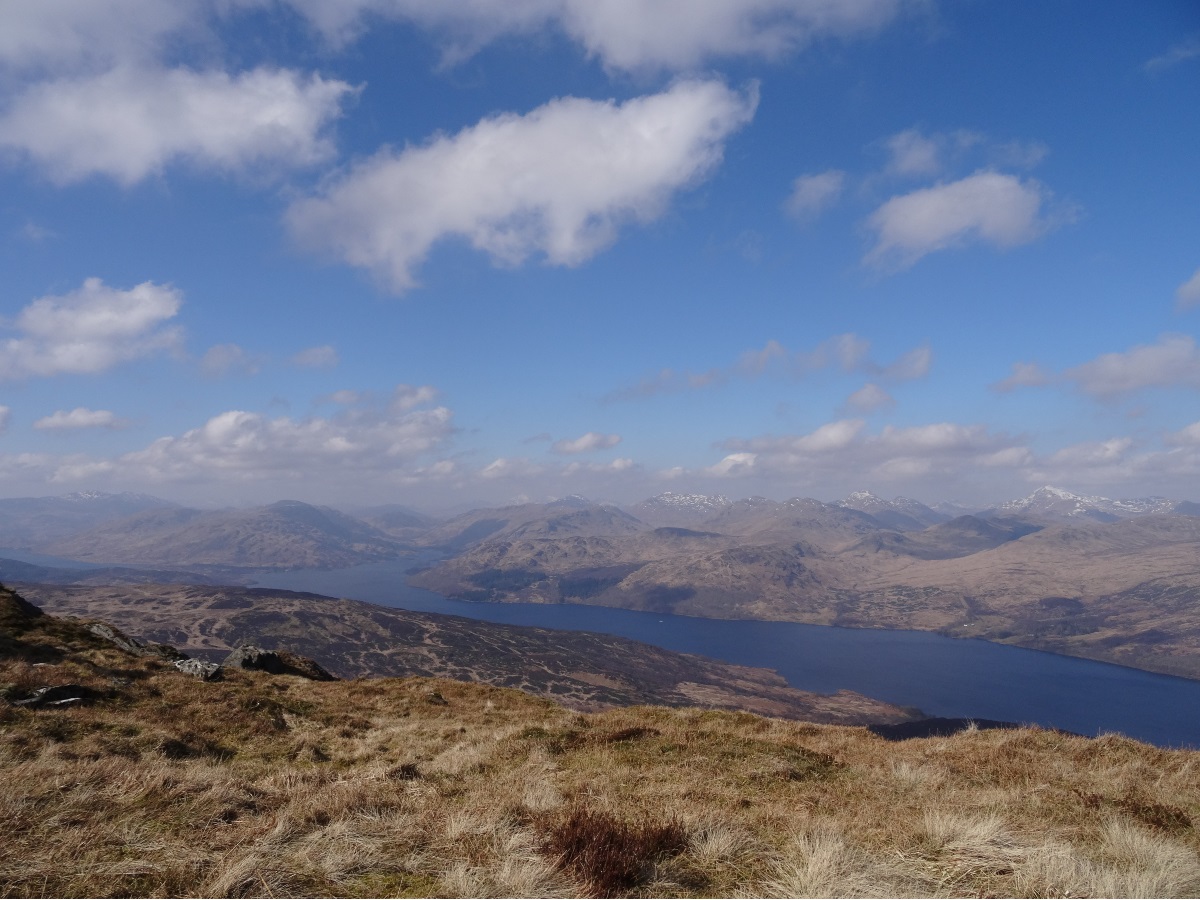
(446, 254)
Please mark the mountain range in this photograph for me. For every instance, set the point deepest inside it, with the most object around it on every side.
(1116, 580)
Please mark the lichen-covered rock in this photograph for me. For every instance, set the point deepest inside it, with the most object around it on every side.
(197, 668)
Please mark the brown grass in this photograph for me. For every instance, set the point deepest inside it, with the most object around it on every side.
(607, 854)
(276, 786)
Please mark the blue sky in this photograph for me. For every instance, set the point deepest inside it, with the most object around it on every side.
(441, 254)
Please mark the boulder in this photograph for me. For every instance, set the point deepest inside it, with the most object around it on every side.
(197, 668)
(276, 662)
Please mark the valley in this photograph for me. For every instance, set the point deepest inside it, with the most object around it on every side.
(1116, 581)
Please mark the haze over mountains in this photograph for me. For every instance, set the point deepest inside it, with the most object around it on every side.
(1108, 579)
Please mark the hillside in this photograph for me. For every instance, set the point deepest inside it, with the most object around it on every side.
(30, 522)
(584, 671)
(154, 783)
(1123, 591)
(288, 534)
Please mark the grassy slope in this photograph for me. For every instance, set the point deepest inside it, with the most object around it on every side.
(274, 785)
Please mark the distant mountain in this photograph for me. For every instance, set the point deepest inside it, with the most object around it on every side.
(1057, 505)
(954, 510)
(680, 509)
(901, 513)
(803, 519)
(288, 534)
(560, 518)
(957, 538)
(30, 522)
(398, 521)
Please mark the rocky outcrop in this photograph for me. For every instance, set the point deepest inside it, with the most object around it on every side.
(133, 645)
(58, 696)
(276, 662)
(197, 668)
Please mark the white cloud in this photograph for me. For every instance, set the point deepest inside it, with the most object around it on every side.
(593, 440)
(734, 465)
(37, 233)
(1187, 294)
(406, 397)
(225, 359)
(913, 153)
(813, 194)
(615, 467)
(624, 34)
(1173, 361)
(80, 417)
(1001, 210)
(1024, 374)
(1177, 53)
(129, 123)
(869, 398)
(323, 357)
(243, 446)
(1091, 453)
(53, 34)
(510, 467)
(1188, 436)
(90, 330)
(845, 451)
(912, 365)
(5, 412)
(558, 181)
(849, 352)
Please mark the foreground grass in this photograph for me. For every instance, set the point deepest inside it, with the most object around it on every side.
(277, 786)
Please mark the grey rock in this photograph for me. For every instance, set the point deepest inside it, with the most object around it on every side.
(205, 671)
(276, 662)
(59, 696)
(133, 645)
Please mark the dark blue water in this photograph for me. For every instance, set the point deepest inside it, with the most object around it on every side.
(940, 675)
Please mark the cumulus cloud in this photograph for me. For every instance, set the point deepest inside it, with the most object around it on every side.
(593, 440)
(1188, 436)
(407, 396)
(556, 182)
(1187, 294)
(848, 352)
(813, 194)
(239, 446)
(914, 153)
(629, 35)
(79, 417)
(129, 123)
(323, 357)
(1173, 361)
(87, 33)
(869, 398)
(225, 359)
(90, 330)
(989, 207)
(846, 450)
